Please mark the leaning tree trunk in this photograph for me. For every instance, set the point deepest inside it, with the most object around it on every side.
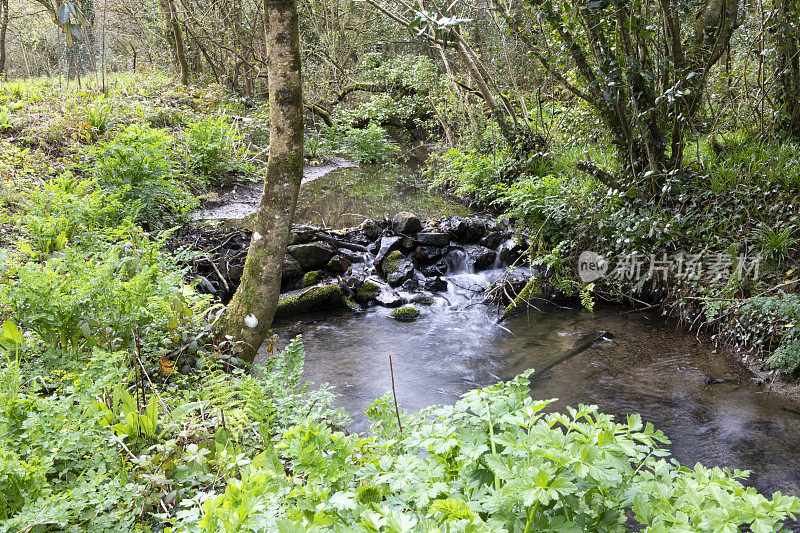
(250, 312)
(172, 29)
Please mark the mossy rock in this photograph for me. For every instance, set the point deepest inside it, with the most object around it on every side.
(423, 299)
(317, 298)
(367, 291)
(531, 290)
(392, 262)
(311, 278)
(406, 313)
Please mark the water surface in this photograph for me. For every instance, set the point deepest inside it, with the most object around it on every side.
(650, 367)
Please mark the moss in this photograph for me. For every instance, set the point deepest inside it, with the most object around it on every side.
(391, 263)
(406, 313)
(533, 289)
(314, 299)
(368, 291)
(311, 278)
(423, 299)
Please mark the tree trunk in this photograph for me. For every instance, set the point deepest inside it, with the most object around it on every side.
(3, 30)
(250, 312)
(787, 44)
(172, 29)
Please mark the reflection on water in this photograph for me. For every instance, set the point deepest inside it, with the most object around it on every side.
(348, 196)
(649, 367)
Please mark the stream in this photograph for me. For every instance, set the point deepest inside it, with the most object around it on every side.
(710, 406)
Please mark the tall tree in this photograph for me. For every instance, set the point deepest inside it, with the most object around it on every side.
(787, 44)
(172, 29)
(3, 32)
(250, 312)
(642, 65)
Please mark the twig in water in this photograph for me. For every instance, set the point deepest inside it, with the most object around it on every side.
(394, 394)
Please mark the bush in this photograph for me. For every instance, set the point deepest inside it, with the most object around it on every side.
(492, 462)
(137, 168)
(211, 151)
(67, 210)
(365, 145)
(73, 301)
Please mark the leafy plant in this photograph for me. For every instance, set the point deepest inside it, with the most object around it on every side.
(212, 153)
(776, 244)
(137, 168)
(99, 114)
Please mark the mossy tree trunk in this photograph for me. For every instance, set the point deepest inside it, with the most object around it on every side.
(249, 314)
(172, 29)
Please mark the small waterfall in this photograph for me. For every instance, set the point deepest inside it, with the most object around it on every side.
(458, 262)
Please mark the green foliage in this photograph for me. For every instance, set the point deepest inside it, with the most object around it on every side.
(770, 323)
(492, 462)
(365, 145)
(99, 115)
(212, 152)
(72, 300)
(68, 210)
(137, 168)
(472, 174)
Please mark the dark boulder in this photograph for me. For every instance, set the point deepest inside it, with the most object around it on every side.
(370, 230)
(433, 239)
(480, 257)
(389, 298)
(338, 264)
(429, 254)
(434, 285)
(386, 246)
(406, 223)
(311, 256)
(494, 239)
(291, 269)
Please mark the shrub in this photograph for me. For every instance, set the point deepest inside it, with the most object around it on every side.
(67, 210)
(492, 462)
(211, 151)
(365, 145)
(99, 116)
(73, 301)
(136, 166)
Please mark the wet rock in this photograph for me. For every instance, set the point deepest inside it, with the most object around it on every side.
(302, 235)
(494, 239)
(311, 256)
(338, 264)
(389, 298)
(370, 230)
(403, 273)
(474, 231)
(291, 269)
(311, 278)
(468, 230)
(423, 299)
(429, 254)
(367, 292)
(407, 223)
(482, 258)
(407, 244)
(352, 256)
(315, 298)
(434, 285)
(510, 251)
(410, 285)
(437, 269)
(406, 314)
(387, 245)
(433, 239)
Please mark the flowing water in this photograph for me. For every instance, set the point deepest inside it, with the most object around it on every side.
(649, 366)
